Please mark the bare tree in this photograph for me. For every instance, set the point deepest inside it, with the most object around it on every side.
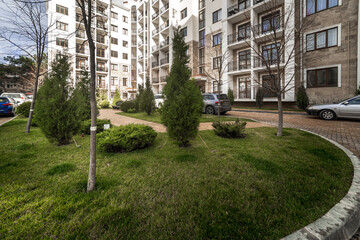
(276, 48)
(219, 64)
(26, 28)
(87, 11)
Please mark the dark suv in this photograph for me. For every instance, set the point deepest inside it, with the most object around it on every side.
(211, 102)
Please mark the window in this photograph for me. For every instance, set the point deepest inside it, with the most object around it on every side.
(125, 44)
(100, 38)
(244, 31)
(81, 63)
(114, 15)
(101, 81)
(125, 68)
(202, 38)
(125, 81)
(80, 33)
(323, 39)
(125, 31)
(270, 54)
(62, 26)
(114, 81)
(101, 24)
(215, 86)
(114, 54)
(62, 10)
(217, 39)
(244, 87)
(268, 83)
(216, 16)
(114, 41)
(114, 28)
(216, 62)
(101, 67)
(100, 52)
(184, 31)
(271, 22)
(114, 67)
(244, 59)
(354, 101)
(326, 77)
(125, 19)
(80, 48)
(314, 6)
(202, 19)
(202, 56)
(184, 13)
(125, 56)
(62, 42)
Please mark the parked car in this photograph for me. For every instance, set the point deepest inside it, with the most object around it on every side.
(211, 103)
(18, 97)
(30, 97)
(7, 106)
(159, 100)
(349, 108)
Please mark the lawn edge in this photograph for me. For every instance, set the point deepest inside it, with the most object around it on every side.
(8, 120)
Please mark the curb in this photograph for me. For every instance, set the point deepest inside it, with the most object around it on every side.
(259, 111)
(343, 220)
(8, 121)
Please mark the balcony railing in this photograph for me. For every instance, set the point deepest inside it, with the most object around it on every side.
(155, 64)
(164, 61)
(237, 37)
(140, 57)
(261, 62)
(239, 7)
(141, 30)
(164, 43)
(155, 48)
(164, 8)
(164, 26)
(275, 24)
(140, 17)
(155, 31)
(155, 15)
(133, 19)
(155, 80)
(163, 78)
(257, 1)
(80, 34)
(102, 69)
(101, 13)
(237, 66)
(154, 1)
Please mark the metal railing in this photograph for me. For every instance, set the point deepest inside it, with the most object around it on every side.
(155, 48)
(164, 8)
(155, 64)
(238, 8)
(257, 1)
(237, 66)
(155, 15)
(102, 69)
(164, 25)
(164, 43)
(164, 61)
(237, 37)
(262, 62)
(275, 24)
(155, 80)
(155, 31)
(163, 78)
(154, 1)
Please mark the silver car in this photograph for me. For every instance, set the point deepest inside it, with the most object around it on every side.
(349, 108)
(211, 102)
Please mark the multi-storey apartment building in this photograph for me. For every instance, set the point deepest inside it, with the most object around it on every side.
(243, 28)
(112, 34)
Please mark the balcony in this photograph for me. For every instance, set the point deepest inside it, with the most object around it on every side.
(163, 78)
(257, 1)
(164, 8)
(80, 34)
(155, 15)
(237, 37)
(155, 80)
(140, 57)
(261, 62)
(101, 69)
(154, 1)
(140, 43)
(266, 27)
(101, 25)
(164, 43)
(164, 61)
(101, 12)
(155, 48)
(140, 17)
(141, 30)
(155, 64)
(164, 26)
(236, 66)
(155, 31)
(237, 8)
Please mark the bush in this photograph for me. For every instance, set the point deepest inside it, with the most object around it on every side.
(302, 100)
(230, 95)
(24, 109)
(230, 130)
(116, 98)
(125, 106)
(85, 126)
(260, 98)
(126, 138)
(55, 107)
(104, 104)
(132, 110)
(147, 100)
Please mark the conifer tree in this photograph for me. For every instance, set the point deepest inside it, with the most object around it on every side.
(82, 96)
(183, 101)
(147, 100)
(116, 97)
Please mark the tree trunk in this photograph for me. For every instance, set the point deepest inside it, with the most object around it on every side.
(92, 168)
(219, 103)
(31, 114)
(281, 119)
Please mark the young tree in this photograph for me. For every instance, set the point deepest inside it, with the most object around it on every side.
(26, 26)
(183, 101)
(231, 97)
(116, 98)
(147, 101)
(82, 96)
(302, 99)
(139, 96)
(55, 107)
(87, 12)
(282, 34)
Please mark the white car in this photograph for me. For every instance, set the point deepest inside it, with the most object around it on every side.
(18, 97)
(159, 100)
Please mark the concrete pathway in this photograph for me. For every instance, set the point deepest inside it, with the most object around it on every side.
(118, 120)
(4, 119)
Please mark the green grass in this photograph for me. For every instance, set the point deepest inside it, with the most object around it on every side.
(260, 187)
(272, 109)
(155, 117)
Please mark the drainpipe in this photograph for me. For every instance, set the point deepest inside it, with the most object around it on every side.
(358, 47)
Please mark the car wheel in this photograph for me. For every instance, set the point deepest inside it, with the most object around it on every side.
(209, 110)
(327, 115)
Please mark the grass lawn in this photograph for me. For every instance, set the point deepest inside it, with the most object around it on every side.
(264, 109)
(155, 117)
(260, 187)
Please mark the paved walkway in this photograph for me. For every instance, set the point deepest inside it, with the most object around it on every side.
(4, 119)
(118, 120)
(345, 132)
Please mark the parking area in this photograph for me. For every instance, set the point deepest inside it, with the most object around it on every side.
(345, 132)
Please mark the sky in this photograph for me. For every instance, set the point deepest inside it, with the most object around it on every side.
(6, 48)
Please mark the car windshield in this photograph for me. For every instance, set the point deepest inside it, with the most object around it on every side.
(223, 97)
(13, 95)
(346, 99)
(3, 100)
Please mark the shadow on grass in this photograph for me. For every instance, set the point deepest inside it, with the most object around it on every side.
(185, 158)
(323, 154)
(60, 169)
(6, 165)
(263, 165)
(24, 146)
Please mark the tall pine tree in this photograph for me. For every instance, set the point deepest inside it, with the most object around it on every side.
(147, 100)
(183, 101)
